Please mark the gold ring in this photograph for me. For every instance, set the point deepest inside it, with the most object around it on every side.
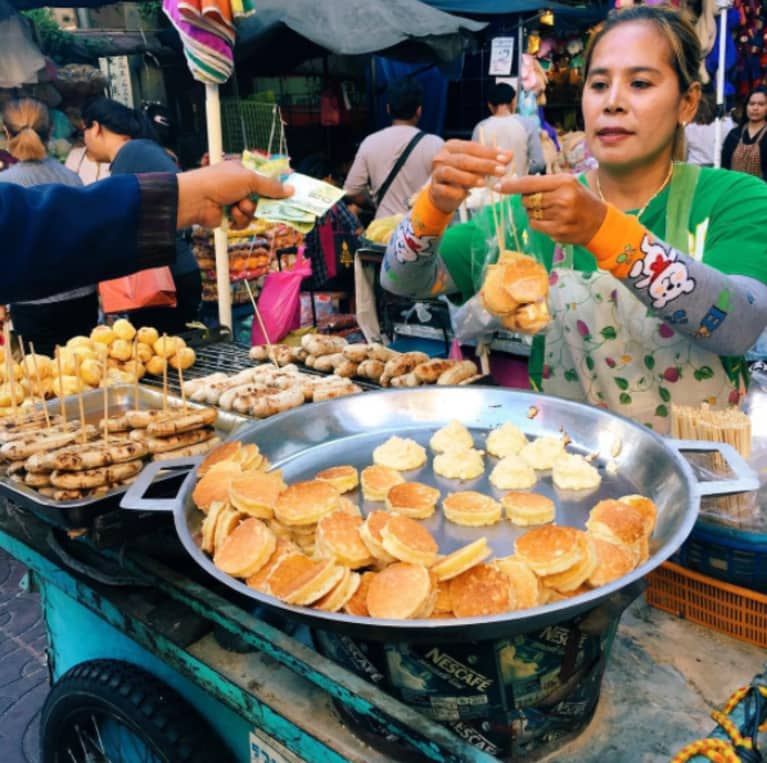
(537, 213)
(536, 200)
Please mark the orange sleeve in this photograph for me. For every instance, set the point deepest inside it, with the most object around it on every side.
(616, 244)
(426, 219)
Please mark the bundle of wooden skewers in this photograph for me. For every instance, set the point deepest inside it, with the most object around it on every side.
(727, 425)
(69, 459)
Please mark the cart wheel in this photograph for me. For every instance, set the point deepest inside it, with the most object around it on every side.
(107, 711)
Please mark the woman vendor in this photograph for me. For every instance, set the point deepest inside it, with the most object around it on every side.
(745, 147)
(657, 268)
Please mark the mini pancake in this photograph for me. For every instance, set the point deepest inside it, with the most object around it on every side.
(471, 509)
(407, 540)
(214, 486)
(431, 600)
(377, 480)
(505, 440)
(250, 457)
(286, 571)
(279, 529)
(571, 471)
(412, 499)
(483, 590)
(246, 549)
(524, 509)
(338, 536)
(399, 591)
(524, 582)
(646, 507)
(336, 599)
(619, 523)
(357, 604)
(575, 576)
(350, 507)
(259, 580)
(208, 527)
(256, 493)
(342, 478)
(542, 452)
(305, 503)
(460, 464)
(513, 473)
(225, 452)
(550, 549)
(315, 583)
(443, 605)
(461, 560)
(402, 454)
(228, 519)
(451, 436)
(370, 532)
(614, 560)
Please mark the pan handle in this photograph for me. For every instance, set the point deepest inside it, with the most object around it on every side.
(745, 479)
(134, 499)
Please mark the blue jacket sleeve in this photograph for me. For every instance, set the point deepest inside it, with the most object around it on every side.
(56, 237)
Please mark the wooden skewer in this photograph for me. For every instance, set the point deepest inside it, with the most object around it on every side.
(165, 376)
(83, 434)
(181, 380)
(257, 313)
(9, 364)
(39, 385)
(135, 374)
(62, 400)
(493, 209)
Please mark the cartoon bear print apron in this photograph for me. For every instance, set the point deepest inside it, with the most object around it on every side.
(608, 349)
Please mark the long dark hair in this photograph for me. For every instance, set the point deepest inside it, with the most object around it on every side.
(761, 89)
(117, 118)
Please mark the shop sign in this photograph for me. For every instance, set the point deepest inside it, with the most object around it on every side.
(501, 56)
(265, 749)
(117, 71)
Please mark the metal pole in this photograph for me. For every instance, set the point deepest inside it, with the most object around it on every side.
(216, 154)
(520, 44)
(723, 6)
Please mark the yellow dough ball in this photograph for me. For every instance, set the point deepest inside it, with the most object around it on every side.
(147, 335)
(121, 350)
(103, 335)
(183, 359)
(165, 346)
(37, 365)
(124, 329)
(145, 352)
(156, 366)
(128, 367)
(91, 371)
(65, 385)
(79, 341)
(67, 361)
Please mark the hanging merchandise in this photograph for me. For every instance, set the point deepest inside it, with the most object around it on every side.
(21, 62)
(533, 87)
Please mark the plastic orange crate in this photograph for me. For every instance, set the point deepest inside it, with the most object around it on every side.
(726, 608)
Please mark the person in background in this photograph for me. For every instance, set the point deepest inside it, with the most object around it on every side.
(700, 133)
(164, 128)
(52, 320)
(745, 147)
(511, 132)
(372, 177)
(117, 134)
(88, 170)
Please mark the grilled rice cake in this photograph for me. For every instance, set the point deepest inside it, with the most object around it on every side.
(450, 437)
(460, 464)
(400, 453)
(471, 509)
(513, 473)
(342, 478)
(571, 471)
(377, 480)
(524, 509)
(338, 537)
(409, 541)
(461, 560)
(412, 499)
(304, 503)
(549, 549)
(246, 549)
(481, 591)
(506, 440)
(399, 592)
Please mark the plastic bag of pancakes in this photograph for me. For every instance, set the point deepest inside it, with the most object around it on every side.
(308, 543)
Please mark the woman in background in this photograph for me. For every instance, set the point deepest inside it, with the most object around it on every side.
(745, 147)
(53, 320)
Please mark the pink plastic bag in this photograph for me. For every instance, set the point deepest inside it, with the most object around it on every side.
(279, 302)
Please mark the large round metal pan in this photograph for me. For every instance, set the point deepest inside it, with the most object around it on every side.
(303, 441)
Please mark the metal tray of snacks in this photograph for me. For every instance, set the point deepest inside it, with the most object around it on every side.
(120, 399)
(630, 458)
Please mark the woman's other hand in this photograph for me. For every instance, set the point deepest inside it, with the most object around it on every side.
(460, 166)
(559, 206)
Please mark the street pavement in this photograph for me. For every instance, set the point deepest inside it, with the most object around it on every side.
(23, 670)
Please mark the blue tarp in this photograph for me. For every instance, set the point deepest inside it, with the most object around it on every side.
(588, 13)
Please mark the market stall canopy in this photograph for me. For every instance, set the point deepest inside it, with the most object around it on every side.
(591, 11)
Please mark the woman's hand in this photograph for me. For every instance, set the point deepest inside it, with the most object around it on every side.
(559, 206)
(460, 166)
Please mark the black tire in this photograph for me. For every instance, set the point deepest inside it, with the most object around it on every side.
(131, 700)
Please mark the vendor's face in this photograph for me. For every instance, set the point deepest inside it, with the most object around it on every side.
(93, 139)
(631, 100)
(756, 110)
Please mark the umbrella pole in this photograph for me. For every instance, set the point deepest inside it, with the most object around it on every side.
(215, 152)
(723, 5)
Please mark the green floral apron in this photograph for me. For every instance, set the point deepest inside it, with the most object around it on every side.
(608, 349)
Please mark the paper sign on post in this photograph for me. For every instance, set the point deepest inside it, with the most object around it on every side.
(501, 56)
